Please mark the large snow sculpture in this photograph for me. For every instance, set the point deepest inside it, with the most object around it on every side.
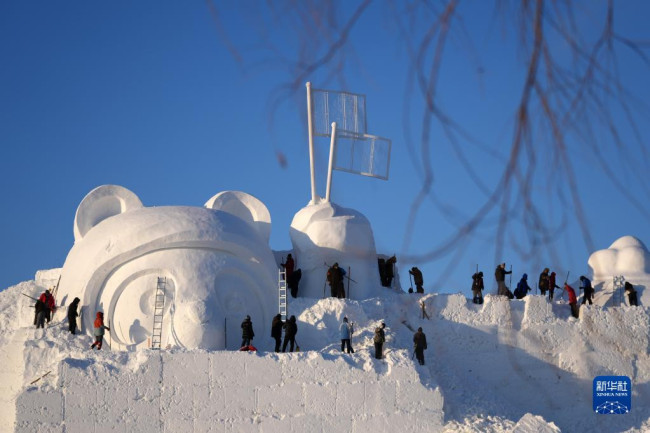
(327, 233)
(627, 256)
(216, 260)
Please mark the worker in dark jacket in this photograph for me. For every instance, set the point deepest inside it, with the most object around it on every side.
(420, 345)
(335, 276)
(552, 286)
(543, 284)
(418, 279)
(290, 331)
(588, 291)
(631, 294)
(39, 311)
(72, 316)
(276, 330)
(477, 287)
(50, 305)
(379, 339)
(522, 287)
(247, 333)
(500, 276)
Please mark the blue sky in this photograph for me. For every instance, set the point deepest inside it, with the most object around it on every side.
(148, 96)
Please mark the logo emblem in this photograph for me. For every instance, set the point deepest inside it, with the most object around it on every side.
(612, 395)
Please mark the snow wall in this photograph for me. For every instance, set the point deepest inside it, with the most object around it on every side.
(229, 392)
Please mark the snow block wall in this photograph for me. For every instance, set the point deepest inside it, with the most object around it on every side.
(230, 392)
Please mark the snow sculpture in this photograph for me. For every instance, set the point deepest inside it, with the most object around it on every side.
(627, 256)
(327, 233)
(216, 260)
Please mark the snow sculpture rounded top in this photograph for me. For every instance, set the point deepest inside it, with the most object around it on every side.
(325, 233)
(213, 265)
(627, 256)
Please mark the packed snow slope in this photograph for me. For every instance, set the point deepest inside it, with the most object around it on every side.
(503, 366)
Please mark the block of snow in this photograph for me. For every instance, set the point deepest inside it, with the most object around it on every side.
(36, 405)
(278, 400)
(245, 425)
(262, 371)
(190, 368)
(320, 399)
(380, 397)
(209, 426)
(239, 401)
(350, 399)
(307, 423)
(36, 426)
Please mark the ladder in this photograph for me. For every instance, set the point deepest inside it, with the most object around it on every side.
(159, 306)
(282, 293)
(617, 298)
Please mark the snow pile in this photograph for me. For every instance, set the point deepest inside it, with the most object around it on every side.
(502, 366)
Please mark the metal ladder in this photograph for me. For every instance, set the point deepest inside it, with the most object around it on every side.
(617, 298)
(159, 306)
(282, 293)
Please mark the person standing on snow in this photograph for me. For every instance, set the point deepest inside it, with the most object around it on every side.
(48, 300)
(477, 287)
(573, 301)
(631, 294)
(98, 331)
(290, 331)
(276, 331)
(551, 286)
(417, 279)
(419, 345)
(247, 333)
(522, 287)
(588, 291)
(379, 339)
(335, 276)
(346, 330)
(500, 275)
(72, 316)
(39, 310)
(543, 282)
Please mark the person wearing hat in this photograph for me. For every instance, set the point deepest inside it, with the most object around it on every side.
(346, 330)
(72, 316)
(335, 276)
(50, 305)
(417, 279)
(99, 331)
(588, 291)
(419, 345)
(544, 283)
(247, 333)
(379, 339)
(477, 287)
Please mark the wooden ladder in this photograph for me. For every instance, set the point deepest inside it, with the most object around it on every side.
(159, 307)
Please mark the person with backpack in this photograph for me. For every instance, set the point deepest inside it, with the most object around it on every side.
(551, 286)
(247, 333)
(290, 331)
(293, 281)
(522, 287)
(631, 294)
(573, 301)
(585, 286)
(379, 339)
(500, 276)
(346, 330)
(276, 330)
(72, 316)
(417, 279)
(98, 331)
(477, 287)
(543, 282)
(419, 345)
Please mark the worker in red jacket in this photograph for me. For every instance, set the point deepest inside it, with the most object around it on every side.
(573, 301)
(50, 305)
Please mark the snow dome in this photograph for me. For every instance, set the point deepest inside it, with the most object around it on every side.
(627, 257)
(216, 262)
(326, 233)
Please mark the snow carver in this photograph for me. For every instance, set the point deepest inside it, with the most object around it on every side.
(552, 286)
(379, 339)
(417, 279)
(98, 331)
(335, 276)
(346, 330)
(587, 290)
(500, 276)
(290, 331)
(573, 301)
(72, 316)
(522, 287)
(477, 287)
(419, 345)
(215, 260)
(544, 283)
(276, 331)
(247, 333)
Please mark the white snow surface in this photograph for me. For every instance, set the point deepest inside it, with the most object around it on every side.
(518, 366)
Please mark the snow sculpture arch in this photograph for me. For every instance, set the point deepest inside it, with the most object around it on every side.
(216, 260)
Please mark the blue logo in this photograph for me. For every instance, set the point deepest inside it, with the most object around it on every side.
(612, 395)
